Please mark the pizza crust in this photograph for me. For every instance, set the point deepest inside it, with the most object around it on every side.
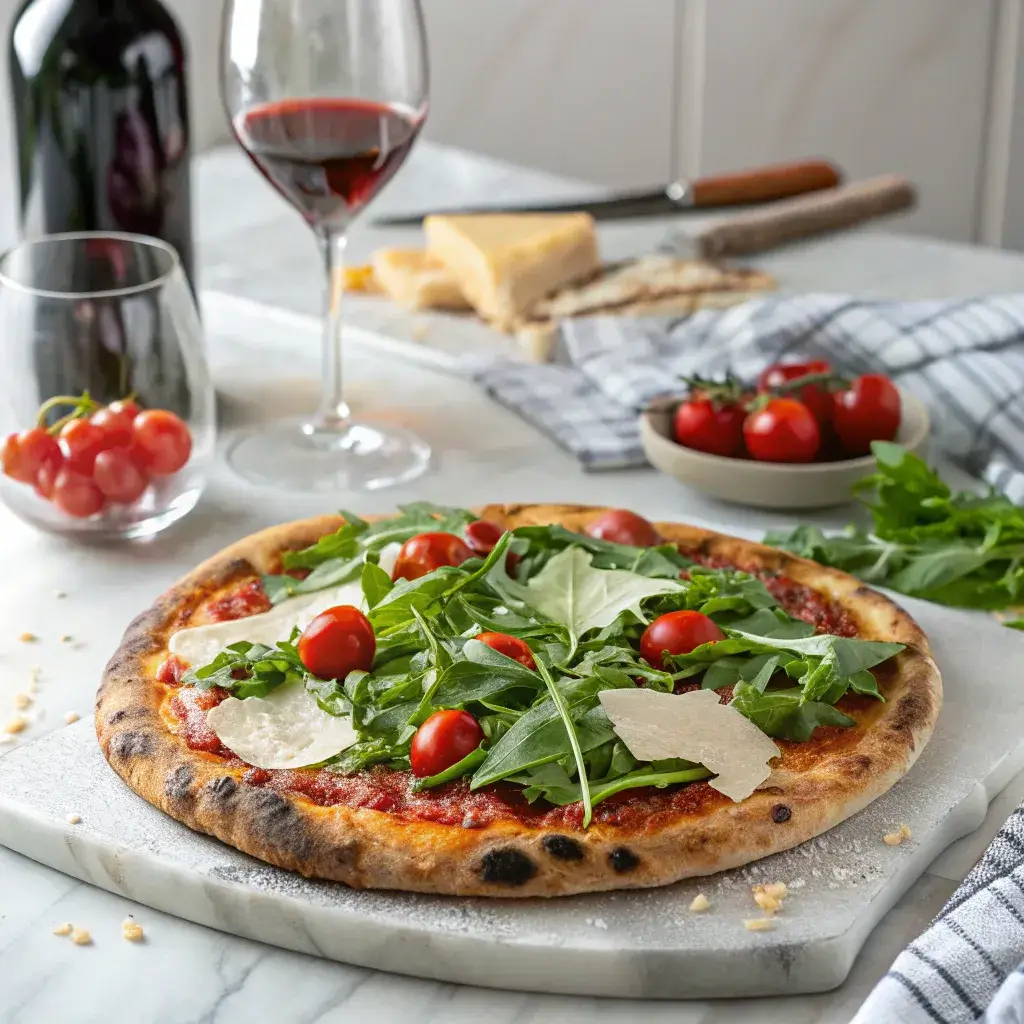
(815, 786)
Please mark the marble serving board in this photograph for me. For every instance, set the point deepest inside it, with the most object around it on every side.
(637, 944)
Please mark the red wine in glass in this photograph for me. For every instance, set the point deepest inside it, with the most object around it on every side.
(327, 157)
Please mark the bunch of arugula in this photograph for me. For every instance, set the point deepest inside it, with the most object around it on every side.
(954, 548)
(581, 604)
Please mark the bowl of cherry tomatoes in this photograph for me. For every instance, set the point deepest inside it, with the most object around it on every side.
(799, 438)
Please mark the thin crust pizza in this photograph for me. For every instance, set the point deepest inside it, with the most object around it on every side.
(535, 700)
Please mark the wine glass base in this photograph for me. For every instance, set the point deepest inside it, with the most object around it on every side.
(300, 456)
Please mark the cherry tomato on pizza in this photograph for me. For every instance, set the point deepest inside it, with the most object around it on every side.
(511, 646)
(481, 536)
(816, 397)
(783, 430)
(710, 426)
(426, 552)
(677, 633)
(443, 740)
(869, 410)
(623, 527)
(338, 641)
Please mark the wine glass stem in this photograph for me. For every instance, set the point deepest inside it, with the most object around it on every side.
(334, 412)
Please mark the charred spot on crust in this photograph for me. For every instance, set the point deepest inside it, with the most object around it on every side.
(781, 814)
(623, 859)
(117, 716)
(507, 866)
(913, 709)
(856, 765)
(179, 782)
(563, 848)
(222, 789)
(126, 745)
(276, 823)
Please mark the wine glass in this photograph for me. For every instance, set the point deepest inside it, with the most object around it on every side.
(105, 376)
(327, 97)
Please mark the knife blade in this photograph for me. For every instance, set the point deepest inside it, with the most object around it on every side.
(757, 185)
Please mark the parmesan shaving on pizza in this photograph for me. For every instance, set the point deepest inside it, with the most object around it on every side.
(695, 727)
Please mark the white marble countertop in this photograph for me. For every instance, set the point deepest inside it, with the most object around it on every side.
(252, 245)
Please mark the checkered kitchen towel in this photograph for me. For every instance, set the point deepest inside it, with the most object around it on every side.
(964, 358)
(967, 965)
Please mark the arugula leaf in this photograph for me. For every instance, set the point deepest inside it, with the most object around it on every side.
(340, 544)
(464, 767)
(376, 584)
(485, 674)
(784, 714)
(553, 783)
(249, 670)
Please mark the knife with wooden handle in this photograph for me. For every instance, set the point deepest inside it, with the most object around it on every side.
(759, 185)
(801, 217)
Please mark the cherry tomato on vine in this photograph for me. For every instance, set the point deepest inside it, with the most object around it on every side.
(82, 441)
(338, 641)
(444, 739)
(116, 425)
(422, 554)
(708, 426)
(46, 478)
(784, 430)
(77, 494)
(623, 527)
(511, 646)
(869, 410)
(677, 633)
(816, 397)
(118, 477)
(164, 439)
(25, 454)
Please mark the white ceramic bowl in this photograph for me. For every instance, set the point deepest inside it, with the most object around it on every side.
(774, 485)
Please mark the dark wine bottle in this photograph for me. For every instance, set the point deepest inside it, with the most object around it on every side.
(101, 108)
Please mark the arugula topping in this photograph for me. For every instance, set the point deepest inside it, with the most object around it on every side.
(581, 605)
(960, 549)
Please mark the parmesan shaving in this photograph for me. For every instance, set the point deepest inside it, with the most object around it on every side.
(695, 727)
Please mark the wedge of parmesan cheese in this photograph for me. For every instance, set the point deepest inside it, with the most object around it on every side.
(695, 727)
(285, 729)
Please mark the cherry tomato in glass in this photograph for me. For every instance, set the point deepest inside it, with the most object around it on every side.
(511, 646)
(711, 427)
(677, 633)
(164, 438)
(26, 453)
(118, 477)
(444, 739)
(869, 410)
(816, 397)
(422, 554)
(82, 441)
(481, 536)
(622, 527)
(46, 478)
(77, 494)
(783, 431)
(116, 425)
(338, 641)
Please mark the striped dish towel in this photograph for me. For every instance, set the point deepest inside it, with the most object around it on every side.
(963, 358)
(969, 965)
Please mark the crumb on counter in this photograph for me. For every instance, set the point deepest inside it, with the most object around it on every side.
(74, 819)
(33, 678)
(895, 838)
(66, 638)
(71, 717)
(16, 725)
(132, 930)
(22, 700)
(63, 929)
(700, 903)
(769, 904)
(81, 937)
(28, 638)
(59, 594)
(359, 279)
(769, 897)
(759, 924)
(777, 890)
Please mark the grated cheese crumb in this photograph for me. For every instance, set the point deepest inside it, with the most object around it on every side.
(74, 819)
(28, 638)
(63, 929)
(81, 937)
(905, 831)
(132, 930)
(15, 725)
(897, 837)
(71, 717)
(759, 924)
(700, 903)
(769, 904)
(66, 638)
(22, 700)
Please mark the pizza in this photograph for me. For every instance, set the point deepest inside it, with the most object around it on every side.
(531, 700)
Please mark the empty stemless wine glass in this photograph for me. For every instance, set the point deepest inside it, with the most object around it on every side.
(327, 98)
(106, 404)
